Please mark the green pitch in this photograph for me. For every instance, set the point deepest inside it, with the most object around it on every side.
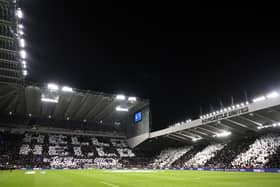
(110, 178)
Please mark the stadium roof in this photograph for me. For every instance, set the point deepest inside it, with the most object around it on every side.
(64, 103)
(263, 113)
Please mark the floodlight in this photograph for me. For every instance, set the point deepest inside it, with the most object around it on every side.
(242, 104)
(53, 87)
(66, 89)
(19, 13)
(121, 109)
(132, 99)
(274, 124)
(23, 62)
(20, 26)
(258, 99)
(22, 43)
(120, 97)
(21, 32)
(24, 72)
(23, 54)
(49, 100)
(195, 139)
(225, 110)
(229, 108)
(223, 134)
(272, 95)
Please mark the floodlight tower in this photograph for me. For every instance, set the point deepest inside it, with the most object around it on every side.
(13, 67)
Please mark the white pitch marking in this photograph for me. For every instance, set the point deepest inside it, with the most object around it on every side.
(30, 172)
(109, 184)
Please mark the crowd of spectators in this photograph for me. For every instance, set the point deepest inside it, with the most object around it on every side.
(168, 156)
(200, 159)
(31, 150)
(41, 150)
(259, 153)
(233, 148)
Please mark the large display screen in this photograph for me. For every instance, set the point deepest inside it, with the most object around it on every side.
(137, 117)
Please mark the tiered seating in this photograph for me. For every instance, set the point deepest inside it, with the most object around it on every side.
(57, 150)
(274, 161)
(168, 156)
(259, 152)
(224, 157)
(31, 150)
(180, 163)
(202, 157)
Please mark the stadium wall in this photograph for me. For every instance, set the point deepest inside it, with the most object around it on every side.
(138, 132)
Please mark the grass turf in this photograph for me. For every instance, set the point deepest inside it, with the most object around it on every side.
(109, 178)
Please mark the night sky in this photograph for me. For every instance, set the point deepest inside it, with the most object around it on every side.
(181, 57)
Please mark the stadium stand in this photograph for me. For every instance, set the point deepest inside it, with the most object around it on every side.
(202, 157)
(224, 157)
(180, 163)
(61, 151)
(168, 156)
(259, 152)
(274, 161)
(44, 150)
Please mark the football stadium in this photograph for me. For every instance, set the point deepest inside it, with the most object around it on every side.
(56, 135)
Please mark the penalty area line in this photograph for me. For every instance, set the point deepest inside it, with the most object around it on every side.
(109, 184)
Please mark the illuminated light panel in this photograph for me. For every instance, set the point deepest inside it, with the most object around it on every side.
(49, 100)
(258, 99)
(24, 72)
(23, 54)
(132, 99)
(196, 139)
(223, 134)
(121, 109)
(120, 97)
(272, 95)
(22, 43)
(19, 13)
(53, 87)
(67, 89)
